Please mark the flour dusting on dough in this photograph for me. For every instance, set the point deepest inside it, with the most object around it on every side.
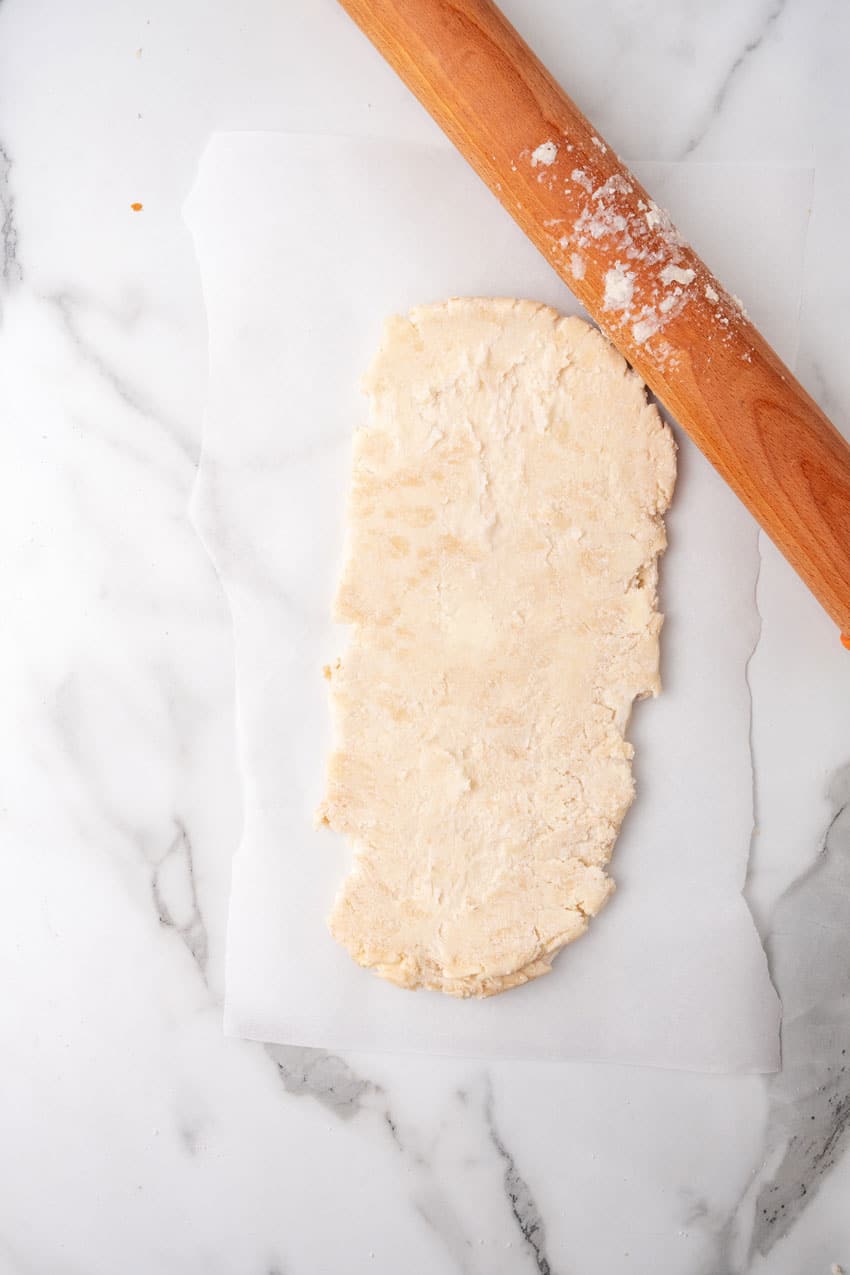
(505, 524)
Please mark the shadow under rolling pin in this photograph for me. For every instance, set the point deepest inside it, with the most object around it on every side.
(646, 288)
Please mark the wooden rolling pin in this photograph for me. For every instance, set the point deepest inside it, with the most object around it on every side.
(685, 334)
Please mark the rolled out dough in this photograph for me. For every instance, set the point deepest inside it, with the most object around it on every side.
(505, 523)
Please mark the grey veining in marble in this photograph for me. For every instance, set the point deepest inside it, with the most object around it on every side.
(11, 269)
(523, 1206)
(175, 897)
(325, 1077)
(764, 30)
(808, 1124)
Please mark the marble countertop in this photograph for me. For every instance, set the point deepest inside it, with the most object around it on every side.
(135, 1137)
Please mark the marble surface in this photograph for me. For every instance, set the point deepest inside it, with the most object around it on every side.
(134, 1136)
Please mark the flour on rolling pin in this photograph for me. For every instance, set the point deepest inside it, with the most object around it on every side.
(546, 153)
(650, 282)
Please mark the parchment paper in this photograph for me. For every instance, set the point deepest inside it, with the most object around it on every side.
(305, 244)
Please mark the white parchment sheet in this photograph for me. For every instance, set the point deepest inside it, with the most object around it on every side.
(305, 244)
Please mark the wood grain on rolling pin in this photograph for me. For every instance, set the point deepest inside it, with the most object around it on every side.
(671, 318)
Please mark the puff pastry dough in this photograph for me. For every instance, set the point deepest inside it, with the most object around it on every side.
(505, 524)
